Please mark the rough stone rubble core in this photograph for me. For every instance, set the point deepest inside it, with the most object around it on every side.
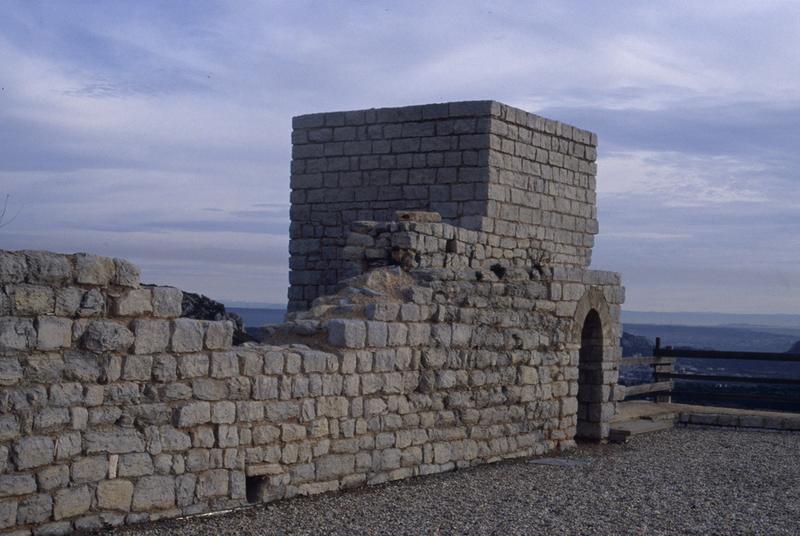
(458, 332)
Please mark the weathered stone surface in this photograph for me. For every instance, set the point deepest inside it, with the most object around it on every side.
(93, 303)
(48, 268)
(106, 336)
(35, 509)
(68, 301)
(72, 502)
(212, 483)
(90, 469)
(152, 336)
(135, 464)
(193, 414)
(8, 513)
(167, 302)
(16, 334)
(115, 495)
(13, 267)
(347, 333)
(138, 368)
(29, 300)
(219, 335)
(94, 270)
(134, 302)
(126, 274)
(187, 335)
(224, 365)
(81, 366)
(10, 371)
(53, 333)
(53, 477)
(33, 451)
(153, 493)
(118, 441)
(12, 485)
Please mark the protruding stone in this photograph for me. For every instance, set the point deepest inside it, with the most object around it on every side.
(107, 336)
(126, 274)
(167, 302)
(48, 268)
(94, 270)
(346, 333)
(219, 335)
(16, 334)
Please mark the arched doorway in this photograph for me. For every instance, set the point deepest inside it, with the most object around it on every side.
(590, 377)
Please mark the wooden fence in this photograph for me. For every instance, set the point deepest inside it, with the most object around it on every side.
(662, 387)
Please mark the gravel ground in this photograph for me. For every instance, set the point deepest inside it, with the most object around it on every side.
(683, 481)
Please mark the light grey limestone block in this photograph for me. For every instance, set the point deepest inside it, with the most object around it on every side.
(227, 436)
(116, 441)
(335, 466)
(33, 451)
(137, 368)
(48, 268)
(11, 371)
(224, 412)
(193, 366)
(30, 300)
(212, 483)
(50, 418)
(71, 502)
(193, 414)
(187, 335)
(153, 493)
(152, 336)
(68, 445)
(12, 485)
(106, 336)
(184, 489)
(13, 267)
(135, 464)
(126, 274)
(53, 333)
(8, 513)
(219, 335)
(16, 334)
(53, 477)
(167, 302)
(89, 469)
(265, 388)
(93, 303)
(165, 368)
(224, 365)
(94, 270)
(134, 302)
(347, 333)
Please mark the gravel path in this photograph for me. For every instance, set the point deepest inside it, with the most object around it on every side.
(683, 481)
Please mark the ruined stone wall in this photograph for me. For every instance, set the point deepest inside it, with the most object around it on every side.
(482, 165)
(113, 410)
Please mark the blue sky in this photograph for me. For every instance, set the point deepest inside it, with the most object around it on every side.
(160, 131)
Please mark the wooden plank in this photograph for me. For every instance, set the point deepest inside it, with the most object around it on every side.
(716, 354)
(732, 379)
(644, 388)
(632, 361)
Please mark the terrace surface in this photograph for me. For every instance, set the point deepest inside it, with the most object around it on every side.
(681, 481)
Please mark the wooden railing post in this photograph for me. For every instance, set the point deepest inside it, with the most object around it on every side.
(661, 372)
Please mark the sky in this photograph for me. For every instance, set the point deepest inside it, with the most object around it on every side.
(160, 131)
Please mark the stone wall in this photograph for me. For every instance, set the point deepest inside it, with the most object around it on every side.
(115, 410)
(482, 165)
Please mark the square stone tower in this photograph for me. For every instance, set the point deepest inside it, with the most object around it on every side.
(482, 165)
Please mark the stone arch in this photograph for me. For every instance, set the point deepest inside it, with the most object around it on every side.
(593, 333)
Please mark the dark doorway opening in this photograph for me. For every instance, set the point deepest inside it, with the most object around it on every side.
(590, 378)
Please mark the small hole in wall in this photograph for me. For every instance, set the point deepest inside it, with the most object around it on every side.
(253, 485)
(479, 276)
(498, 270)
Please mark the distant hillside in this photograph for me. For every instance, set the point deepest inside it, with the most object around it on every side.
(634, 345)
(255, 318)
(795, 349)
(719, 338)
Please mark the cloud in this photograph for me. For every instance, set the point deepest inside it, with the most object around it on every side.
(161, 132)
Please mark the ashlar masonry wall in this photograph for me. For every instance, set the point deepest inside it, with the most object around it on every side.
(482, 165)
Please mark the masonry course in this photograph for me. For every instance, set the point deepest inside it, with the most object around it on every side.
(448, 337)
